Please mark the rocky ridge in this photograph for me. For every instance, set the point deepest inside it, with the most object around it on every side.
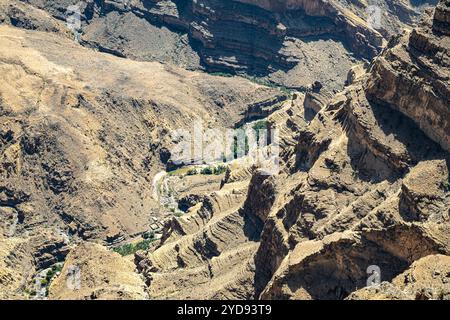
(361, 186)
(83, 134)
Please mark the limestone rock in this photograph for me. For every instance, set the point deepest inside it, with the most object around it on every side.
(92, 272)
(416, 65)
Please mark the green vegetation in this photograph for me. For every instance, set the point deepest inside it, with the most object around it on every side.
(175, 172)
(149, 235)
(53, 271)
(207, 171)
(261, 125)
(220, 170)
(210, 170)
(176, 212)
(236, 146)
(258, 126)
(191, 172)
(45, 282)
(446, 186)
(214, 170)
(260, 81)
(132, 248)
(222, 74)
(269, 84)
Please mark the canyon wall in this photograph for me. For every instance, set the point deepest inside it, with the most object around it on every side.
(412, 76)
(283, 42)
(364, 176)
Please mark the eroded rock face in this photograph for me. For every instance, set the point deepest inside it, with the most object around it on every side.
(21, 14)
(262, 194)
(208, 251)
(424, 192)
(364, 179)
(21, 258)
(282, 41)
(16, 263)
(441, 18)
(362, 185)
(416, 65)
(91, 272)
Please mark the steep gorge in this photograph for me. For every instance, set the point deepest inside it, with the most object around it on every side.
(361, 186)
(290, 43)
(364, 174)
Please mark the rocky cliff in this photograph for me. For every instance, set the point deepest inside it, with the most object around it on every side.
(283, 42)
(375, 189)
(362, 186)
(409, 68)
(85, 144)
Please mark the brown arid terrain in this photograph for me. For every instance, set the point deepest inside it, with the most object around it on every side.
(93, 204)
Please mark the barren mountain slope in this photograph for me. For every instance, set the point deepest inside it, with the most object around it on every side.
(361, 186)
(85, 151)
(83, 134)
(291, 43)
(373, 189)
(209, 251)
(103, 275)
